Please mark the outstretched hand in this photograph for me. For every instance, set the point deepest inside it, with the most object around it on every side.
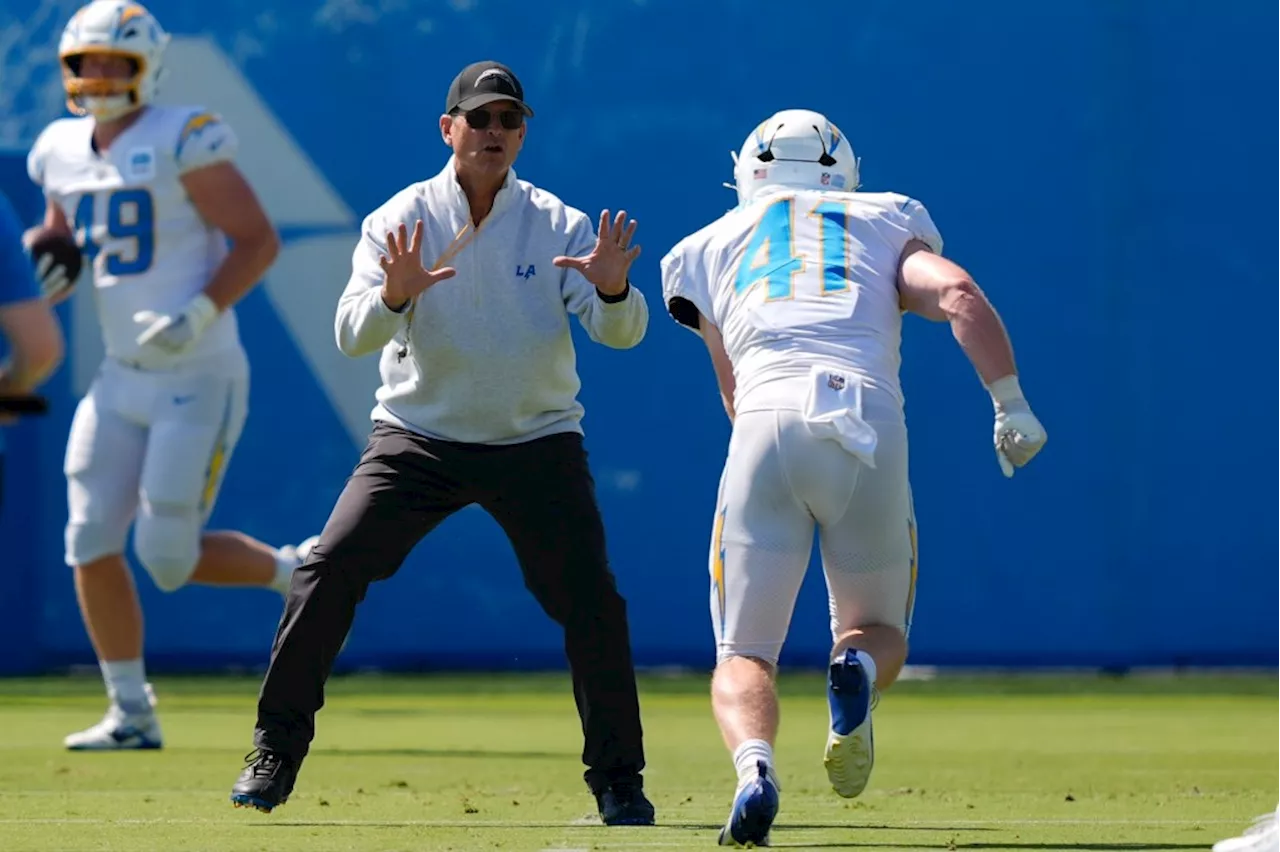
(405, 278)
(608, 263)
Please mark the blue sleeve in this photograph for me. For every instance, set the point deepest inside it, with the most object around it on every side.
(17, 278)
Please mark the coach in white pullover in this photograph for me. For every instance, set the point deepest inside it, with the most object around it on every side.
(489, 356)
(466, 283)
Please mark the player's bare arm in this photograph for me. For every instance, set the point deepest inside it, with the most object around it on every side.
(54, 220)
(225, 201)
(719, 361)
(55, 283)
(937, 289)
(940, 290)
(35, 345)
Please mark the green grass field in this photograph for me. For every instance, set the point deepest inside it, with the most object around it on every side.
(475, 763)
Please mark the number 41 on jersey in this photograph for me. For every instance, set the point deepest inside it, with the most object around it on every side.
(800, 258)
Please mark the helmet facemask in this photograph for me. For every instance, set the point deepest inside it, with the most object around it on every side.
(111, 28)
(105, 98)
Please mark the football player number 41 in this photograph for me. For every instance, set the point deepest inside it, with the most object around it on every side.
(799, 259)
(129, 229)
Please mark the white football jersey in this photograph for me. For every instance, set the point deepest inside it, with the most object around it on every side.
(145, 242)
(799, 278)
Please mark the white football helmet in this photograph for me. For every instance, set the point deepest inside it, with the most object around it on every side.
(117, 27)
(795, 148)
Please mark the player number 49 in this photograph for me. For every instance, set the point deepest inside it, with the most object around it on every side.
(130, 219)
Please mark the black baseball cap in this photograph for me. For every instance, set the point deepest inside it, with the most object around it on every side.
(481, 83)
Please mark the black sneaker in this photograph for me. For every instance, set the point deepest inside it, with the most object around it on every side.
(266, 782)
(623, 802)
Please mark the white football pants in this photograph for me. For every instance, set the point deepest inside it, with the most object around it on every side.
(155, 446)
(780, 483)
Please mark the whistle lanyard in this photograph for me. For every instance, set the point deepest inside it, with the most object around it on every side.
(460, 241)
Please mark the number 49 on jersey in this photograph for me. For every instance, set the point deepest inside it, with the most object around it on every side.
(128, 233)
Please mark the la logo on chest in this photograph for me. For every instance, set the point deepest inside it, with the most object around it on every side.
(525, 272)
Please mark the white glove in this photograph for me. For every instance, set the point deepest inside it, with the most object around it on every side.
(53, 279)
(1018, 434)
(174, 333)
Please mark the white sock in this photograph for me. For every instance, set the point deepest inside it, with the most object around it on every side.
(285, 565)
(745, 757)
(126, 684)
(868, 665)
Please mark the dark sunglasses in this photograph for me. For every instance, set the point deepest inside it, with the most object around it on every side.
(479, 119)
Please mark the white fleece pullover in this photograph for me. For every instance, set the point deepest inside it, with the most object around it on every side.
(484, 357)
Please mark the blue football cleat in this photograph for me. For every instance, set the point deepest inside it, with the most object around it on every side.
(850, 752)
(754, 809)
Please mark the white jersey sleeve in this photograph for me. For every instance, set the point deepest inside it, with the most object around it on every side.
(919, 223)
(38, 156)
(685, 288)
(35, 162)
(205, 139)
